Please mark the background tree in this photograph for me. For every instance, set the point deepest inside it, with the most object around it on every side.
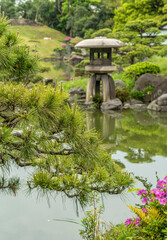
(25, 10)
(131, 10)
(9, 7)
(63, 14)
(141, 41)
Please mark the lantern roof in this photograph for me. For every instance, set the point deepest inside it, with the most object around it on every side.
(100, 42)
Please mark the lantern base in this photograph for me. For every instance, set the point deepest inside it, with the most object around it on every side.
(93, 87)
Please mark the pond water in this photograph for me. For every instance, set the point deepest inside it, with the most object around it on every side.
(137, 140)
(64, 70)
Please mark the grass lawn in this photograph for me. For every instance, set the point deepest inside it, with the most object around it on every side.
(34, 37)
(161, 62)
(79, 82)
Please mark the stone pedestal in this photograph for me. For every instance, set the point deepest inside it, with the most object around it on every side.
(93, 87)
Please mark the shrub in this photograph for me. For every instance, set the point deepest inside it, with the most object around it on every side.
(82, 64)
(151, 220)
(80, 68)
(44, 69)
(152, 215)
(121, 232)
(143, 95)
(148, 90)
(97, 99)
(139, 95)
(123, 95)
(102, 32)
(79, 72)
(136, 70)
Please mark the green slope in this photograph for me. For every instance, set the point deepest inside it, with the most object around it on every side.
(34, 37)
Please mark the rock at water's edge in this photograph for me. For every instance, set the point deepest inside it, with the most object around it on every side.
(113, 104)
(159, 105)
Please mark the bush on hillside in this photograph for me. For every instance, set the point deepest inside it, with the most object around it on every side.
(102, 32)
(136, 70)
(82, 64)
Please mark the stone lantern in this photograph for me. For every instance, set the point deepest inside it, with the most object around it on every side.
(100, 65)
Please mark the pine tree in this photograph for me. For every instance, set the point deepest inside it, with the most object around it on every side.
(16, 62)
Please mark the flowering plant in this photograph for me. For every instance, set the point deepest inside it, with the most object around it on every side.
(152, 215)
(63, 45)
(67, 39)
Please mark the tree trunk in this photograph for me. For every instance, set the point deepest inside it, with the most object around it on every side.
(36, 16)
(59, 3)
(71, 24)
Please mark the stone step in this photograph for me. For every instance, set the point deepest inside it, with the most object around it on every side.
(81, 101)
(82, 93)
(82, 97)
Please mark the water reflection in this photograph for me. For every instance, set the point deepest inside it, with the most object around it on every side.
(104, 123)
(141, 135)
(65, 69)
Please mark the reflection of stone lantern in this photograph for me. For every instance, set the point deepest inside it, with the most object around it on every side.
(100, 65)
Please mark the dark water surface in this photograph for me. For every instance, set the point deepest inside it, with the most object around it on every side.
(137, 140)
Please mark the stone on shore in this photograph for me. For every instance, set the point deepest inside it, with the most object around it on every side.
(159, 105)
(113, 104)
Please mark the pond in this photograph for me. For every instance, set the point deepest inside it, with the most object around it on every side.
(136, 140)
(63, 70)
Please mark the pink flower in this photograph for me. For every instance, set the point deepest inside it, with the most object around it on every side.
(142, 191)
(68, 39)
(128, 221)
(68, 78)
(165, 178)
(137, 221)
(163, 201)
(144, 200)
(160, 183)
(63, 45)
(64, 73)
(145, 210)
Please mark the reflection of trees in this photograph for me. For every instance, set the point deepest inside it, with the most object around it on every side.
(138, 156)
(66, 68)
(143, 134)
(103, 123)
(138, 134)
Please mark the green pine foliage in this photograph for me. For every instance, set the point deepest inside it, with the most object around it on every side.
(16, 62)
(40, 129)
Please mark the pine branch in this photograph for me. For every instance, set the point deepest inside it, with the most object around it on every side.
(18, 161)
(2, 157)
(10, 185)
(64, 152)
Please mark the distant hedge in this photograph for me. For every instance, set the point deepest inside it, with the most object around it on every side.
(136, 70)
